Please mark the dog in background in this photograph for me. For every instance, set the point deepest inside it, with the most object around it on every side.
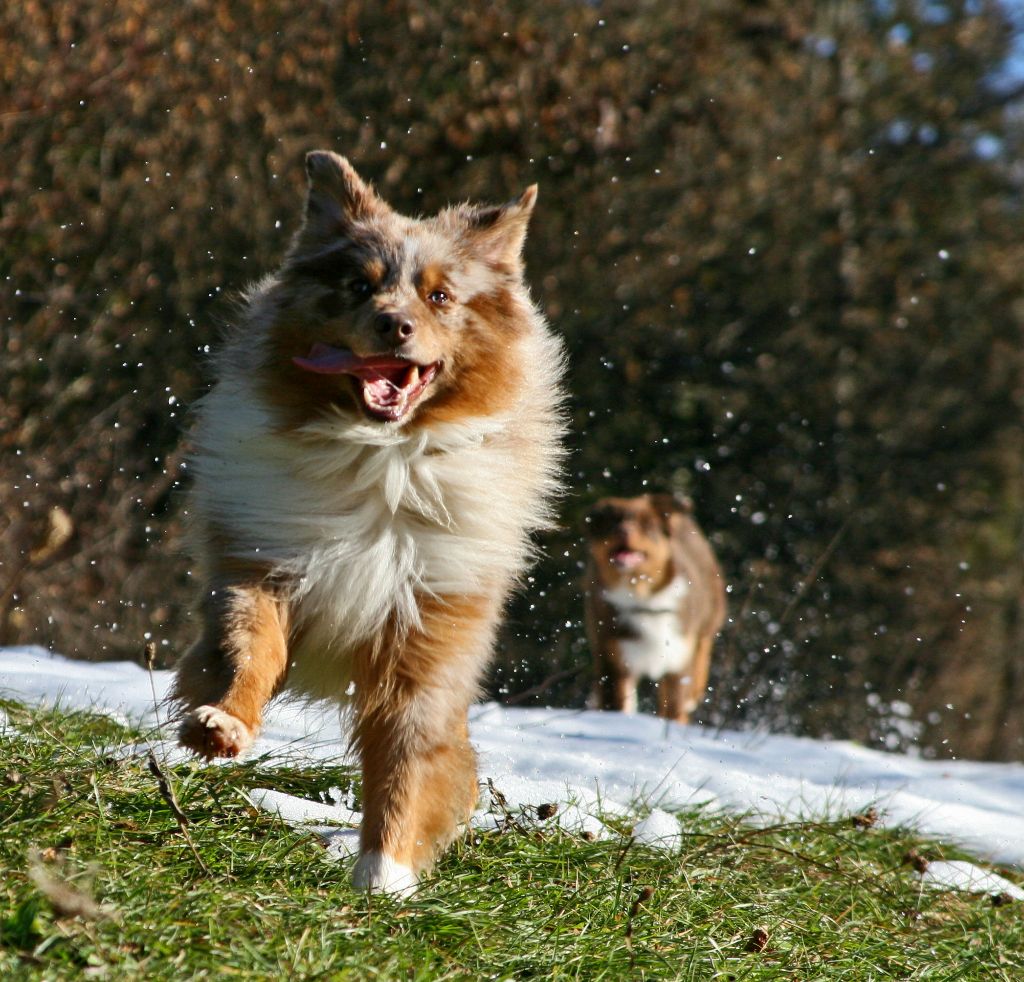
(382, 438)
(655, 600)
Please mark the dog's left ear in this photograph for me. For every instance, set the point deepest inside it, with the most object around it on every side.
(667, 505)
(499, 231)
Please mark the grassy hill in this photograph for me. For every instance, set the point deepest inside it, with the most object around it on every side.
(100, 879)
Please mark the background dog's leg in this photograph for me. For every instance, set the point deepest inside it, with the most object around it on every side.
(615, 690)
(227, 678)
(419, 771)
(680, 693)
(699, 671)
(673, 690)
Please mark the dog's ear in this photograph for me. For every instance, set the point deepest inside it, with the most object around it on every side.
(601, 519)
(336, 188)
(337, 197)
(499, 231)
(667, 505)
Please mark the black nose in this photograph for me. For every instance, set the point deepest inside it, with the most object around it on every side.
(396, 326)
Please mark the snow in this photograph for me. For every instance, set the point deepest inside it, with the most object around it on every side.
(590, 765)
(955, 874)
(660, 830)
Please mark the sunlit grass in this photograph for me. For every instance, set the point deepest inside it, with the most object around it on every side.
(237, 892)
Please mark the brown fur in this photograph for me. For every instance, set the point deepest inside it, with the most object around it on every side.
(419, 783)
(237, 666)
(663, 542)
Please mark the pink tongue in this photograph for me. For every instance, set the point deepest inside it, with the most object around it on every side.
(628, 558)
(325, 360)
(382, 392)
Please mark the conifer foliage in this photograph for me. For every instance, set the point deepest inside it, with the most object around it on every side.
(783, 240)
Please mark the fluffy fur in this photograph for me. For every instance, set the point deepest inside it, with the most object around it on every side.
(655, 600)
(381, 440)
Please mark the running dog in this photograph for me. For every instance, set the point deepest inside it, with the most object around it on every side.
(382, 439)
(655, 600)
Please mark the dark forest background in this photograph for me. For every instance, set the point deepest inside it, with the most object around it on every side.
(784, 241)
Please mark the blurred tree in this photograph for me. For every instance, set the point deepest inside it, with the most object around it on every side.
(782, 240)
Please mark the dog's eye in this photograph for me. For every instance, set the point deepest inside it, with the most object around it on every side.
(360, 288)
(603, 521)
(438, 298)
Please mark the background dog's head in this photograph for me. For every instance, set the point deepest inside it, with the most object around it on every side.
(630, 539)
(392, 317)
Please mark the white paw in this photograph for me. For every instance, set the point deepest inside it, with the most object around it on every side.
(379, 873)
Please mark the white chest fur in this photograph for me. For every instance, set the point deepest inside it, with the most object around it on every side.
(360, 518)
(660, 644)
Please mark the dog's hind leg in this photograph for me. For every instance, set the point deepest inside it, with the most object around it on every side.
(231, 673)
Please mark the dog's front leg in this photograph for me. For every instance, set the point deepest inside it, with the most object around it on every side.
(614, 688)
(230, 674)
(680, 693)
(419, 787)
(419, 770)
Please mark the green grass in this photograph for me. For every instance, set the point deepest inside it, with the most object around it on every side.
(244, 895)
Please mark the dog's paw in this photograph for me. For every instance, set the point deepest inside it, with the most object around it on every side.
(211, 732)
(379, 873)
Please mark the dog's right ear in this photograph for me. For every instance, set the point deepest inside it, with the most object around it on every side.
(335, 189)
(336, 199)
(668, 505)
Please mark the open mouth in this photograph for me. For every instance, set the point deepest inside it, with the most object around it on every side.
(389, 386)
(628, 558)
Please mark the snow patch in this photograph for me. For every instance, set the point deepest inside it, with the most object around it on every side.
(299, 811)
(660, 830)
(592, 765)
(956, 874)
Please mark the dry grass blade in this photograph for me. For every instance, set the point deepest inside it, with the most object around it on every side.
(67, 899)
(167, 793)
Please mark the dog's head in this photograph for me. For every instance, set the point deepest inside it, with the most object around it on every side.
(630, 539)
(397, 318)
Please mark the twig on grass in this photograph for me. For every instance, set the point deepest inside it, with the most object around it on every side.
(622, 855)
(642, 897)
(163, 782)
(508, 820)
(149, 655)
(167, 793)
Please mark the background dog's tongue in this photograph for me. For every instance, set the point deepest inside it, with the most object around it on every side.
(628, 558)
(326, 360)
